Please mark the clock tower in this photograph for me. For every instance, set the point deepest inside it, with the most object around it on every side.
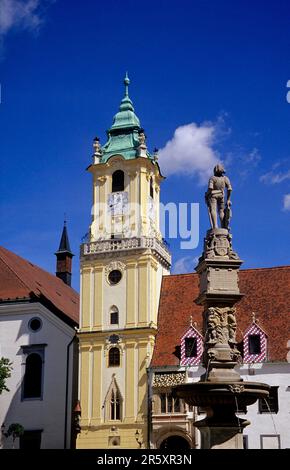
(122, 264)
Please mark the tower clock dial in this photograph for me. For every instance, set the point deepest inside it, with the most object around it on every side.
(118, 203)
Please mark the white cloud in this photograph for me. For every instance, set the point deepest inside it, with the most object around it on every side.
(19, 14)
(190, 151)
(286, 202)
(253, 157)
(275, 178)
(184, 265)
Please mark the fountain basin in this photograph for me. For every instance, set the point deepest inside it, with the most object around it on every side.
(211, 394)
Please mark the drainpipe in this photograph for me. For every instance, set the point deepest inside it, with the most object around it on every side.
(66, 389)
(149, 408)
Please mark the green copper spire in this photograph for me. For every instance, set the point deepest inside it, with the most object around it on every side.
(123, 135)
(126, 117)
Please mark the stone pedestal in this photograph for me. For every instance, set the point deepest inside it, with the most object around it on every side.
(220, 437)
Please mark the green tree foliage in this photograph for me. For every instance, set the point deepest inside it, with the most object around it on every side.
(5, 373)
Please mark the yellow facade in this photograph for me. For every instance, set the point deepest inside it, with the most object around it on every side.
(129, 242)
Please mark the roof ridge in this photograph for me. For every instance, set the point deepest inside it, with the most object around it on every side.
(285, 266)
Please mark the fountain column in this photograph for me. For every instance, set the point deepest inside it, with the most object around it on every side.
(221, 389)
(219, 291)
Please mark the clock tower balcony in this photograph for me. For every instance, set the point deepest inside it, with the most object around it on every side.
(124, 246)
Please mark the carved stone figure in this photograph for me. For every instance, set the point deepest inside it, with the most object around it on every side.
(221, 325)
(215, 198)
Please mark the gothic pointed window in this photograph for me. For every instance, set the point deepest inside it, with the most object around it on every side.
(113, 402)
(114, 357)
(115, 405)
(117, 181)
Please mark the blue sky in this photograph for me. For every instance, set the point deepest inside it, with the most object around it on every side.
(218, 68)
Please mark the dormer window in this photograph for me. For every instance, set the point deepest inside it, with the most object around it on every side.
(191, 347)
(254, 344)
(117, 181)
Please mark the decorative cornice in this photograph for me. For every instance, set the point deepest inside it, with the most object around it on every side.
(169, 380)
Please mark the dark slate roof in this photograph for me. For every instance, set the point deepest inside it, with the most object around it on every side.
(64, 241)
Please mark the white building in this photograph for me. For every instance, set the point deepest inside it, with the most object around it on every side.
(38, 317)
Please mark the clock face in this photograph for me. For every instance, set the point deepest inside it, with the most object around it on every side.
(117, 203)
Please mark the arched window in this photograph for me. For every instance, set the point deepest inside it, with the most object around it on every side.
(151, 188)
(115, 405)
(114, 316)
(114, 357)
(117, 181)
(32, 387)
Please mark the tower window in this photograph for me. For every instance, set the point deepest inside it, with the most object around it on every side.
(115, 276)
(33, 376)
(114, 316)
(114, 357)
(117, 181)
(115, 413)
(190, 347)
(254, 344)
(151, 188)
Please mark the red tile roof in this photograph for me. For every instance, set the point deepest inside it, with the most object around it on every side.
(20, 279)
(267, 293)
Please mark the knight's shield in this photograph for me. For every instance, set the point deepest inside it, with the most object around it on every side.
(221, 246)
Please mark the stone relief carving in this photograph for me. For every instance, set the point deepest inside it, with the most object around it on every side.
(221, 325)
(218, 243)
